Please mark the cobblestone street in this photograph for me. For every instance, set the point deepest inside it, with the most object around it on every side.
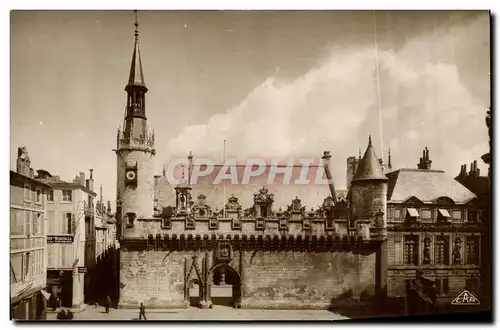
(217, 313)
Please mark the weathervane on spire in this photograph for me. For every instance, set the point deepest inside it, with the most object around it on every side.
(136, 24)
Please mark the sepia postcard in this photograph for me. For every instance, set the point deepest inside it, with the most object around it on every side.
(250, 165)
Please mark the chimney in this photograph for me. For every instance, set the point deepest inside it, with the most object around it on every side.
(425, 162)
(81, 179)
(352, 163)
(389, 163)
(190, 168)
(91, 180)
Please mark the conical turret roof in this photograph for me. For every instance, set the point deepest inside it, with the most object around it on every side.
(369, 167)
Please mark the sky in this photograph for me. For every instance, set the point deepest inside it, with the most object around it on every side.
(285, 84)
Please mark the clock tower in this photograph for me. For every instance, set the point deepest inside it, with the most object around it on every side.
(135, 153)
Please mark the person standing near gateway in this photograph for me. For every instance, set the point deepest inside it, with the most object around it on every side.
(142, 312)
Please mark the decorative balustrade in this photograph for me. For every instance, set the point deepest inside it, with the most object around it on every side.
(137, 142)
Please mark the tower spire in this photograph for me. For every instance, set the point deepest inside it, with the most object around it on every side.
(136, 77)
(136, 24)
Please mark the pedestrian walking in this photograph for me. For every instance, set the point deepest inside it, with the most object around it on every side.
(108, 304)
(142, 312)
(69, 314)
(61, 315)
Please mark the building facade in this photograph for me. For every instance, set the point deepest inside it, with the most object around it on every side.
(435, 225)
(28, 257)
(262, 247)
(70, 220)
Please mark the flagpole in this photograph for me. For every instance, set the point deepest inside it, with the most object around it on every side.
(224, 187)
(378, 84)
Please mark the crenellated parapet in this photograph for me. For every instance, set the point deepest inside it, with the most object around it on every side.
(296, 221)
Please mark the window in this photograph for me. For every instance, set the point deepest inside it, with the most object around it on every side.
(426, 214)
(67, 195)
(472, 252)
(329, 223)
(16, 267)
(50, 195)
(69, 224)
(27, 223)
(36, 223)
(442, 286)
(16, 222)
(27, 193)
(472, 284)
(50, 222)
(26, 267)
(397, 214)
(38, 196)
(410, 250)
(457, 215)
(442, 250)
(472, 216)
(283, 223)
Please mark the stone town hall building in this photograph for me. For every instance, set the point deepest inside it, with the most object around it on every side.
(293, 246)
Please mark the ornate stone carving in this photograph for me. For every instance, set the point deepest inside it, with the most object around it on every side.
(296, 206)
(456, 254)
(224, 251)
(427, 251)
(200, 208)
(233, 204)
(263, 196)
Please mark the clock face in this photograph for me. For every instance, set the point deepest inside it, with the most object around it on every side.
(130, 175)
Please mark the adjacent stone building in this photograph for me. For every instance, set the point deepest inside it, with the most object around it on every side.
(70, 223)
(434, 225)
(28, 262)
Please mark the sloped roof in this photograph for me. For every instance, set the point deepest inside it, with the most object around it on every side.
(369, 167)
(426, 185)
(311, 195)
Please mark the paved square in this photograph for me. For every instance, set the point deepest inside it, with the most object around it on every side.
(217, 313)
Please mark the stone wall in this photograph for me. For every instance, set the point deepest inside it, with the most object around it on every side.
(284, 279)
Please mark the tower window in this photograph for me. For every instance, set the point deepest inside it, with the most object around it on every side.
(131, 218)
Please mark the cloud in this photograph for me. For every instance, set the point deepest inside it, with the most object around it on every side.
(334, 107)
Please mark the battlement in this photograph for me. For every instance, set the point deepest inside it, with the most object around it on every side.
(307, 227)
